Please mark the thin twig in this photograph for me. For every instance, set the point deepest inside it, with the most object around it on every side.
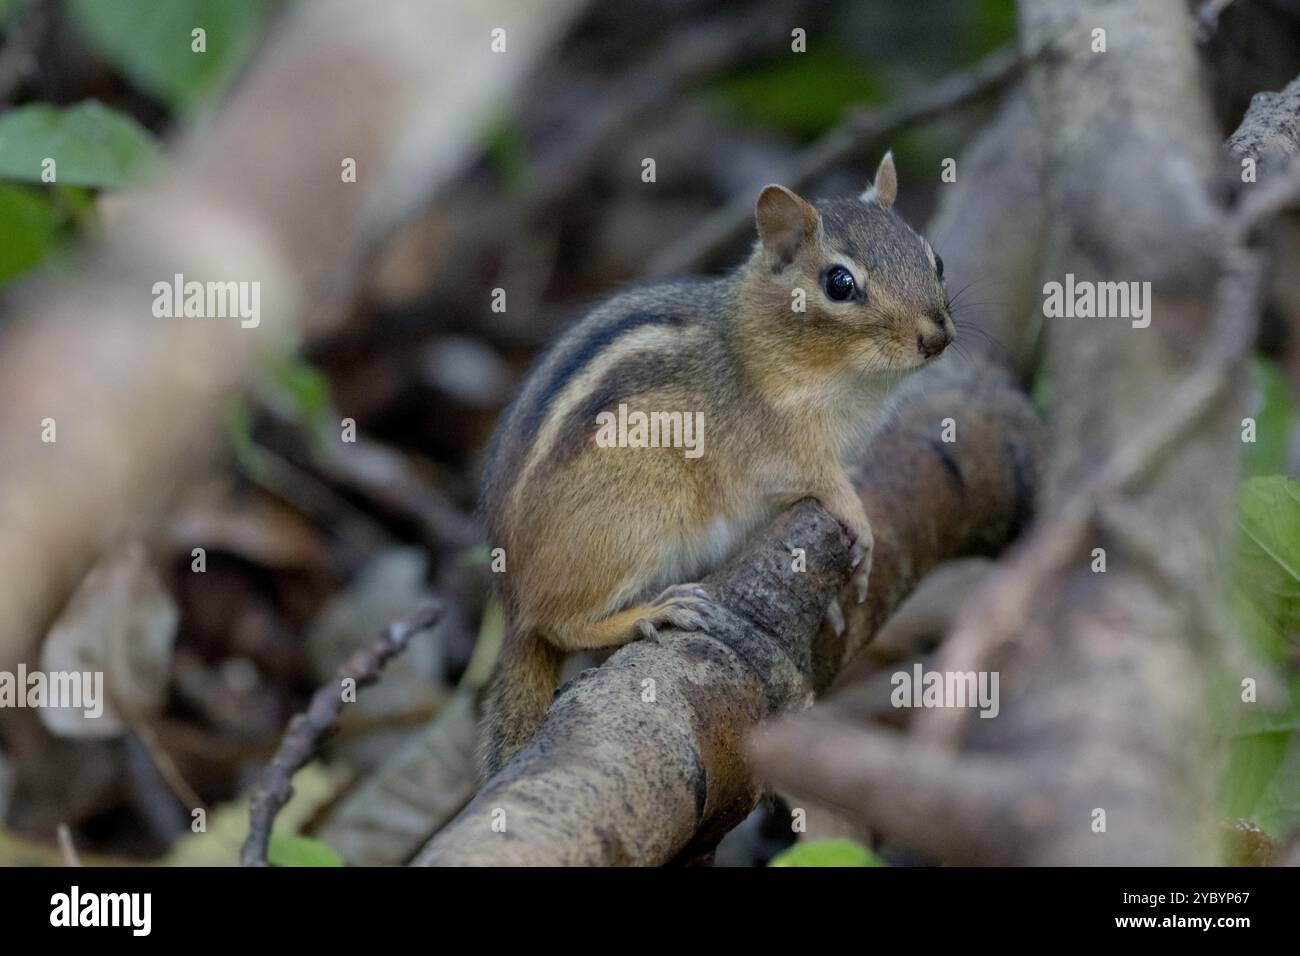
(861, 127)
(162, 762)
(166, 767)
(308, 728)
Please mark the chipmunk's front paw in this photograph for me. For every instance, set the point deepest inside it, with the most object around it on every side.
(845, 506)
(683, 606)
(860, 561)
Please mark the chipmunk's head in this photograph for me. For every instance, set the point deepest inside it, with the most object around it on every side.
(847, 281)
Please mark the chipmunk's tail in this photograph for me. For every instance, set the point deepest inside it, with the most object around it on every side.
(527, 673)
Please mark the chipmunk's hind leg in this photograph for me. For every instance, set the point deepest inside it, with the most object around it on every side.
(686, 607)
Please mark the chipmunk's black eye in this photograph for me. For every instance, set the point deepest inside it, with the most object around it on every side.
(938, 266)
(839, 283)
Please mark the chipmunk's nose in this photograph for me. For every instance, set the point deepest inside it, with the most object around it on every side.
(934, 337)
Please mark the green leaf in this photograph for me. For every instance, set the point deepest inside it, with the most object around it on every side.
(1265, 596)
(151, 43)
(1277, 809)
(29, 229)
(1274, 414)
(287, 849)
(78, 204)
(315, 787)
(827, 853)
(1266, 574)
(90, 144)
(1253, 762)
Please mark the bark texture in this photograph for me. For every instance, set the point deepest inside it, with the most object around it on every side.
(1270, 131)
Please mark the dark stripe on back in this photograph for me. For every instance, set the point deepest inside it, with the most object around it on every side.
(634, 376)
(519, 424)
(579, 356)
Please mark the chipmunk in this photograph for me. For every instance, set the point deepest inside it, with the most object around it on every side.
(785, 364)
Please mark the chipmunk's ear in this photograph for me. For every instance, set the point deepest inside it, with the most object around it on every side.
(785, 222)
(885, 189)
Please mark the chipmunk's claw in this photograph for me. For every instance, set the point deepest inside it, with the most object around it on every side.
(860, 561)
(834, 617)
(860, 582)
(684, 606)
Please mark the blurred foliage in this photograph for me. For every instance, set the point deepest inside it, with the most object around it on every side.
(1253, 762)
(238, 422)
(827, 853)
(1041, 392)
(9, 7)
(1263, 775)
(1267, 575)
(289, 849)
(1274, 412)
(93, 147)
(802, 95)
(1262, 782)
(150, 43)
(507, 156)
(991, 23)
(91, 144)
(305, 388)
(96, 147)
(30, 225)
